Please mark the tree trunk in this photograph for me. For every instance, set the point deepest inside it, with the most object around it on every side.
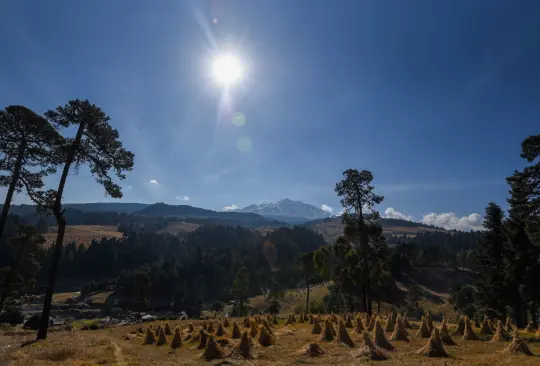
(11, 189)
(307, 297)
(9, 279)
(61, 223)
(364, 298)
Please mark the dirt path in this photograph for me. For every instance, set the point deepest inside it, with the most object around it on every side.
(119, 355)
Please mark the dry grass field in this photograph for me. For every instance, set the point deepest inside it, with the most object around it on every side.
(83, 234)
(111, 346)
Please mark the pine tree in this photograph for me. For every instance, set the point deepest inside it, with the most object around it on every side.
(27, 144)
(96, 144)
(489, 265)
(358, 201)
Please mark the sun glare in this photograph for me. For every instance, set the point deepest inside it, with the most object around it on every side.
(227, 69)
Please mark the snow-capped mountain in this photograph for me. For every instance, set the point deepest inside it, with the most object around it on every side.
(287, 210)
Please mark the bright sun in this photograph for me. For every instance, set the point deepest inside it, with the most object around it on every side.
(227, 69)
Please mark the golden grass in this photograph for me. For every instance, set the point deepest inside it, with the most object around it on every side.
(83, 234)
(103, 346)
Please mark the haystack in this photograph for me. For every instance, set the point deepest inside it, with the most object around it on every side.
(293, 317)
(423, 332)
(177, 339)
(226, 323)
(500, 335)
(358, 326)
(348, 321)
(264, 338)
(204, 325)
(371, 324)
(529, 327)
(379, 338)
(389, 326)
(254, 329)
(406, 322)
(235, 331)
(158, 330)
(518, 347)
(247, 324)
(274, 320)
(469, 334)
(486, 329)
(316, 329)
(369, 350)
(460, 329)
(210, 328)
(445, 335)
(150, 337)
(243, 348)
(220, 331)
(162, 339)
(327, 334)
(289, 320)
(311, 322)
(203, 338)
(342, 337)
(190, 328)
(301, 318)
(311, 350)
(429, 322)
(400, 333)
(434, 346)
(213, 350)
(509, 326)
(168, 330)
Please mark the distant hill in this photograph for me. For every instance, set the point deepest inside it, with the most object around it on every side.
(110, 207)
(185, 211)
(287, 210)
(331, 228)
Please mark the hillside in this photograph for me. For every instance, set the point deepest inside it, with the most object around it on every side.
(185, 211)
(331, 228)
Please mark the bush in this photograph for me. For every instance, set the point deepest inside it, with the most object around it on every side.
(316, 306)
(33, 322)
(12, 317)
(274, 307)
(93, 326)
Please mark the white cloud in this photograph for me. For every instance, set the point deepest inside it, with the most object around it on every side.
(451, 221)
(128, 187)
(328, 209)
(392, 213)
(230, 208)
(182, 198)
(339, 213)
(152, 181)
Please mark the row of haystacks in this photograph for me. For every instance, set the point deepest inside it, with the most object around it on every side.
(258, 331)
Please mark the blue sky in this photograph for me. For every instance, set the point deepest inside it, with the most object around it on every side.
(434, 97)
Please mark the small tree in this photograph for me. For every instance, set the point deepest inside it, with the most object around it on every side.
(306, 267)
(241, 285)
(28, 246)
(27, 142)
(96, 144)
(217, 306)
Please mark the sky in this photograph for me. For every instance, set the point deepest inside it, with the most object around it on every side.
(433, 97)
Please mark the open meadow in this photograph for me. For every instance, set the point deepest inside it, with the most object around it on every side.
(125, 346)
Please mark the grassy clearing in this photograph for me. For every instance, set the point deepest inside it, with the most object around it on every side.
(83, 234)
(105, 346)
(61, 297)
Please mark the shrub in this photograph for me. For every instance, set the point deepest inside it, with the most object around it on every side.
(274, 307)
(33, 322)
(93, 326)
(12, 316)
